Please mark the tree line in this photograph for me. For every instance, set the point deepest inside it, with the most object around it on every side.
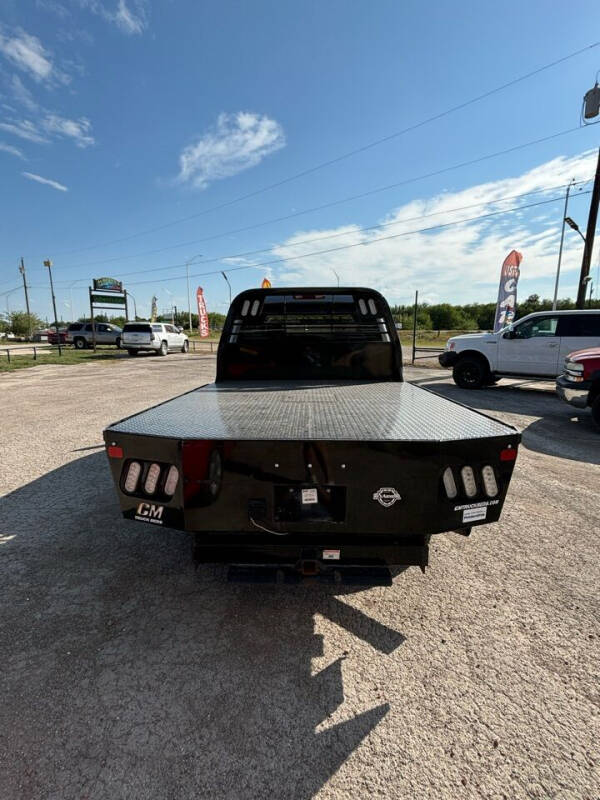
(472, 316)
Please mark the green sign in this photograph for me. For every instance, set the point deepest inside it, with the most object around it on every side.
(99, 299)
(108, 284)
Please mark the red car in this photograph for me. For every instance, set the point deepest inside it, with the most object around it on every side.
(579, 383)
(53, 338)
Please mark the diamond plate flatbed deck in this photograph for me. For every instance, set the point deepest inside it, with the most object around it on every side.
(322, 410)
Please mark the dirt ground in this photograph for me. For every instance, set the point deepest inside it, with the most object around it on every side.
(125, 673)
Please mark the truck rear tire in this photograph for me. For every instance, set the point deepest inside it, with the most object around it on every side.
(596, 411)
(470, 373)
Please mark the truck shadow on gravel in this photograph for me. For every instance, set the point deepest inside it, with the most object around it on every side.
(128, 674)
(559, 430)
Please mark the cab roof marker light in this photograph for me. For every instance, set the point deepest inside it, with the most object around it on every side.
(171, 481)
(489, 481)
(449, 483)
(468, 479)
(133, 475)
(152, 478)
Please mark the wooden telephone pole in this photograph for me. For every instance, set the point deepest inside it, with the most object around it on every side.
(589, 238)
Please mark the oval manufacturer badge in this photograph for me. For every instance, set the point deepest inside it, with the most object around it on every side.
(386, 496)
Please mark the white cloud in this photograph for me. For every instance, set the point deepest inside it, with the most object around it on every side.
(54, 7)
(14, 151)
(76, 129)
(52, 126)
(24, 129)
(22, 94)
(455, 264)
(46, 181)
(130, 21)
(27, 53)
(130, 16)
(236, 143)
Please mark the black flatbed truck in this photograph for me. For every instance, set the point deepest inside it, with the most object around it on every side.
(310, 455)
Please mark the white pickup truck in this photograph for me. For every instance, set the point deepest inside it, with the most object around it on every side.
(534, 347)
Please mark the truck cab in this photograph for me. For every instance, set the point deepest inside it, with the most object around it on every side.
(534, 347)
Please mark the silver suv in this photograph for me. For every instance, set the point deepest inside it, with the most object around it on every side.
(80, 334)
(157, 337)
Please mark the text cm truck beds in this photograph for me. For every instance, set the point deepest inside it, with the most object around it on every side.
(340, 472)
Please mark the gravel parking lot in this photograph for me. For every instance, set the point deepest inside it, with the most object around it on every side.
(127, 674)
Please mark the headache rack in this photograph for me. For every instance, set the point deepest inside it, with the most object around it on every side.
(335, 317)
(309, 333)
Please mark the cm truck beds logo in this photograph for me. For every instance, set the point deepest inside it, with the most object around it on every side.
(148, 512)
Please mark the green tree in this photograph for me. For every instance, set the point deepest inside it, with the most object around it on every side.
(21, 323)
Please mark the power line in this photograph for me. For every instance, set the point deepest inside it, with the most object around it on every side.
(356, 244)
(349, 154)
(346, 199)
(361, 229)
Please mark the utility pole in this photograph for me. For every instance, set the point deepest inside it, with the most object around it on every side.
(589, 238)
(22, 271)
(560, 249)
(48, 264)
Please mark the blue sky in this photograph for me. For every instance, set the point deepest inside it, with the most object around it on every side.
(120, 117)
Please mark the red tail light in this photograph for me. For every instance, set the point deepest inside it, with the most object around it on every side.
(508, 454)
(114, 451)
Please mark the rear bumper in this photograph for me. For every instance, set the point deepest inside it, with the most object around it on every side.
(448, 358)
(139, 346)
(576, 394)
(301, 555)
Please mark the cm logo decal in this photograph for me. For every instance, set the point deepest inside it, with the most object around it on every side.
(148, 512)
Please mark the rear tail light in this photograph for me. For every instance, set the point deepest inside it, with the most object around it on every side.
(133, 476)
(171, 481)
(489, 481)
(468, 479)
(114, 451)
(152, 478)
(508, 454)
(449, 483)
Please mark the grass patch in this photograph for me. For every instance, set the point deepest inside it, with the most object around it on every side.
(69, 357)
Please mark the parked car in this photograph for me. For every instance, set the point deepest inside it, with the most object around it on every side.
(533, 347)
(579, 383)
(157, 337)
(80, 334)
(53, 338)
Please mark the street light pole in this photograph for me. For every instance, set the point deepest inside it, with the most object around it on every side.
(48, 263)
(228, 284)
(560, 249)
(336, 275)
(134, 304)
